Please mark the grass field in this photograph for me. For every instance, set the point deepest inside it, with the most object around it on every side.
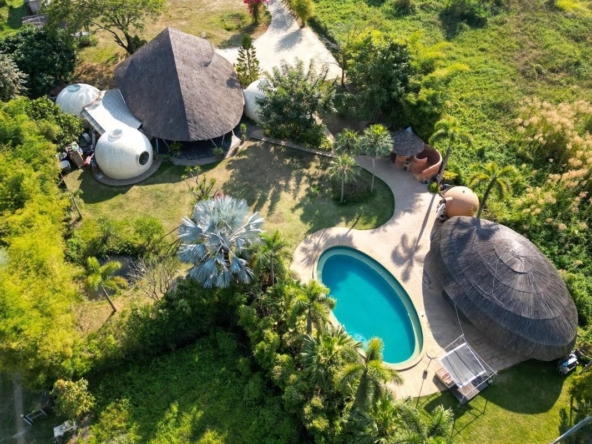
(288, 188)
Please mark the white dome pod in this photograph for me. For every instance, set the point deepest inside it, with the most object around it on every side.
(74, 98)
(124, 153)
(252, 93)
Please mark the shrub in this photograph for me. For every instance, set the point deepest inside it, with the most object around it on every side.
(12, 80)
(73, 400)
(304, 9)
(65, 128)
(294, 96)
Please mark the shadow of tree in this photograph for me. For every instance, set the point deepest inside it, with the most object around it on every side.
(15, 16)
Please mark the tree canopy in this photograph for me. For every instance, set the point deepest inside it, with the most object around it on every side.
(12, 80)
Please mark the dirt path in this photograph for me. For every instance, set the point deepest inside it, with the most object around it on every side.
(285, 40)
(18, 410)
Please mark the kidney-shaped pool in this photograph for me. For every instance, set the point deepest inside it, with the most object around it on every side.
(371, 302)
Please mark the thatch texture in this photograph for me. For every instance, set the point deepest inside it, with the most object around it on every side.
(407, 143)
(505, 286)
(180, 88)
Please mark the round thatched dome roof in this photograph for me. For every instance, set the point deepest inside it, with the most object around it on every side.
(460, 201)
(124, 153)
(407, 143)
(252, 93)
(505, 286)
(72, 99)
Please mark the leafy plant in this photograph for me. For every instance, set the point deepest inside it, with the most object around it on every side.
(12, 80)
(73, 400)
(199, 185)
(44, 111)
(343, 169)
(254, 7)
(100, 277)
(376, 141)
(493, 176)
(247, 65)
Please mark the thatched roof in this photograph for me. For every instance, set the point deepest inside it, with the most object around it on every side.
(505, 286)
(407, 143)
(180, 88)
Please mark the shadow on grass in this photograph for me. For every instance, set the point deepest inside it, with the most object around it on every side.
(261, 173)
(453, 25)
(95, 192)
(15, 16)
(531, 387)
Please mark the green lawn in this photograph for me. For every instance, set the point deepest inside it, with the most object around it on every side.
(528, 403)
(287, 187)
(11, 16)
(202, 394)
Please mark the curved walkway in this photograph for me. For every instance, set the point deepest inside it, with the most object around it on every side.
(285, 40)
(401, 245)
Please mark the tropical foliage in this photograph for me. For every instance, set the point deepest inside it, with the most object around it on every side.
(294, 96)
(343, 169)
(101, 278)
(376, 141)
(271, 255)
(46, 58)
(447, 133)
(493, 177)
(217, 239)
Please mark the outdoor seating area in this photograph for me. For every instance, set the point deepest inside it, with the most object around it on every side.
(412, 154)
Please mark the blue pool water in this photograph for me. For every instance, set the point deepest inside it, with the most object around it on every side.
(369, 304)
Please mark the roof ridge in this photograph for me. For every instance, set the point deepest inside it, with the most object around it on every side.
(179, 83)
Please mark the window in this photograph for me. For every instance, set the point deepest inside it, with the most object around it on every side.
(144, 157)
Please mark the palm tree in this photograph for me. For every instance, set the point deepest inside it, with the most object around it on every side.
(448, 132)
(347, 142)
(343, 168)
(376, 141)
(367, 376)
(313, 301)
(271, 254)
(494, 176)
(217, 239)
(101, 277)
(326, 353)
(414, 427)
(380, 424)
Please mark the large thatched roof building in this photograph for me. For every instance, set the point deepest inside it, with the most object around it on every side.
(505, 286)
(180, 88)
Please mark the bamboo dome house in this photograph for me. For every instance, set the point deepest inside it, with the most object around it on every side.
(505, 286)
(181, 89)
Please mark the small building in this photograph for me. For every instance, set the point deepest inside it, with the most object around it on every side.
(505, 286)
(74, 98)
(124, 153)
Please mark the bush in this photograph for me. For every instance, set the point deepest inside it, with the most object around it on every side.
(580, 287)
(58, 126)
(73, 400)
(294, 96)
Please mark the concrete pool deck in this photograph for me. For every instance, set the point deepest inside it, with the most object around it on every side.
(401, 245)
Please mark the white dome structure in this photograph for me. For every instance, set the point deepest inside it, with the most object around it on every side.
(252, 93)
(124, 153)
(74, 98)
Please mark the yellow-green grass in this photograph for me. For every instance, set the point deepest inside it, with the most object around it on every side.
(528, 403)
(11, 16)
(288, 188)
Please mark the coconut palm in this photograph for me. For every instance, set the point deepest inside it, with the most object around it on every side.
(495, 177)
(367, 377)
(100, 277)
(376, 142)
(217, 239)
(448, 132)
(344, 169)
(271, 255)
(326, 353)
(347, 142)
(414, 427)
(314, 302)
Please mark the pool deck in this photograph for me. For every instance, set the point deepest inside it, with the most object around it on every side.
(401, 246)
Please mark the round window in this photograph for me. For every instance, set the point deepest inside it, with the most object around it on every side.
(144, 157)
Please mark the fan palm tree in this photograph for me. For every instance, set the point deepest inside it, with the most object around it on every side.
(495, 177)
(326, 353)
(376, 141)
(367, 376)
(414, 427)
(448, 132)
(271, 255)
(344, 169)
(314, 302)
(347, 142)
(217, 239)
(100, 277)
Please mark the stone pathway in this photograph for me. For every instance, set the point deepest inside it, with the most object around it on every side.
(285, 40)
(401, 246)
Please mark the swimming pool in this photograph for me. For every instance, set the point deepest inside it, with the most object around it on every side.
(371, 302)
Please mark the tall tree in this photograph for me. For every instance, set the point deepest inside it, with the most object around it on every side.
(448, 132)
(247, 65)
(493, 176)
(123, 19)
(344, 169)
(100, 277)
(47, 58)
(348, 142)
(217, 240)
(304, 9)
(254, 7)
(12, 80)
(344, 48)
(379, 425)
(325, 354)
(414, 427)
(272, 254)
(376, 141)
(313, 302)
(367, 377)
